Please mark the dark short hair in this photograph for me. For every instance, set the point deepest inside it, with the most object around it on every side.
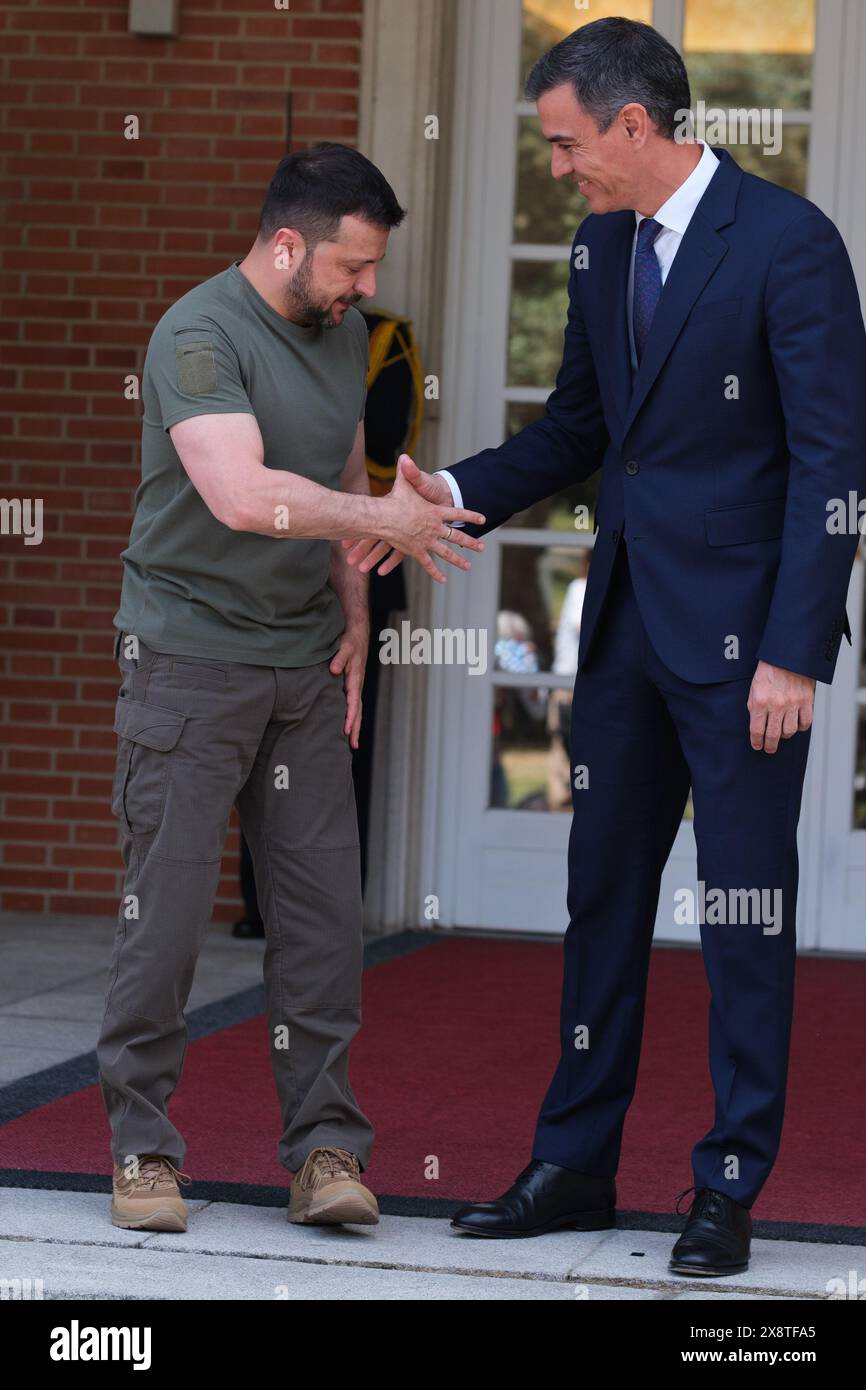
(612, 62)
(313, 190)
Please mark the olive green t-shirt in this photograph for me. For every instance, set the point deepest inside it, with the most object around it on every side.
(191, 584)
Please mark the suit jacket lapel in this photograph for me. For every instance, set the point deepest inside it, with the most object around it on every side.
(618, 247)
(698, 255)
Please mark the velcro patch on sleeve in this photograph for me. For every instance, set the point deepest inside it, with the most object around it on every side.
(196, 369)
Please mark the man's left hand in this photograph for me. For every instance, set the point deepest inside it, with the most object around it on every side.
(350, 662)
(780, 704)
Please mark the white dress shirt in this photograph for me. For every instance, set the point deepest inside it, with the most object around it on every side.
(674, 215)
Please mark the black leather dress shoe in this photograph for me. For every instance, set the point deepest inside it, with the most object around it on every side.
(544, 1197)
(716, 1236)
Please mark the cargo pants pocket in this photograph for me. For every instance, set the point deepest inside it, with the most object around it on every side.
(146, 735)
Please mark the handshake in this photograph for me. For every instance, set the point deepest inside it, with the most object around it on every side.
(417, 519)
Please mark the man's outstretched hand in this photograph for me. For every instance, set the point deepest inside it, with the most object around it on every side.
(416, 499)
(780, 705)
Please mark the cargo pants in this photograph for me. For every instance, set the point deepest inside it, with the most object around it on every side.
(196, 737)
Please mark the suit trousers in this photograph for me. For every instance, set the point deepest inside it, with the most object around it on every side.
(644, 736)
(195, 738)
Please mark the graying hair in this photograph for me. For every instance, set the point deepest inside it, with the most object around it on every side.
(612, 62)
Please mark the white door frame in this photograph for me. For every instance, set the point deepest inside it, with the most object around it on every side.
(406, 62)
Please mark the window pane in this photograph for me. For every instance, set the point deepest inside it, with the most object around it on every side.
(860, 769)
(549, 210)
(545, 22)
(739, 53)
(789, 168)
(557, 513)
(539, 309)
(541, 592)
(529, 764)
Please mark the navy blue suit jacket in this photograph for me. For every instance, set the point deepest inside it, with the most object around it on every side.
(722, 501)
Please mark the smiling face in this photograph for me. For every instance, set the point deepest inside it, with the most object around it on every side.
(602, 166)
(336, 274)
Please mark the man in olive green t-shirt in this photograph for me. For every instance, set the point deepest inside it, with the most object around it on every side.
(242, 637)
(187, 586)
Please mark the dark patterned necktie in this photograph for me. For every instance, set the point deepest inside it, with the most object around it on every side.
(647, 282)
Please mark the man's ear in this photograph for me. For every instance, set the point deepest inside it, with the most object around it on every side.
(634, 119)
(289, 249)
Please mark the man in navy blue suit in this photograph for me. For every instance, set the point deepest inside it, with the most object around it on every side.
(714, 368)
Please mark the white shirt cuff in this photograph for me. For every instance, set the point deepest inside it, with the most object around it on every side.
(456, 495)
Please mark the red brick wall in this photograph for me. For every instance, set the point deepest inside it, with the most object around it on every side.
(100, 234)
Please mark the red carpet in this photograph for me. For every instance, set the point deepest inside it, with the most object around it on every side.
(458, 1045)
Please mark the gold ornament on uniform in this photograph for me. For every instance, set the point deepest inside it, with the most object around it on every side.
(394, 412)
